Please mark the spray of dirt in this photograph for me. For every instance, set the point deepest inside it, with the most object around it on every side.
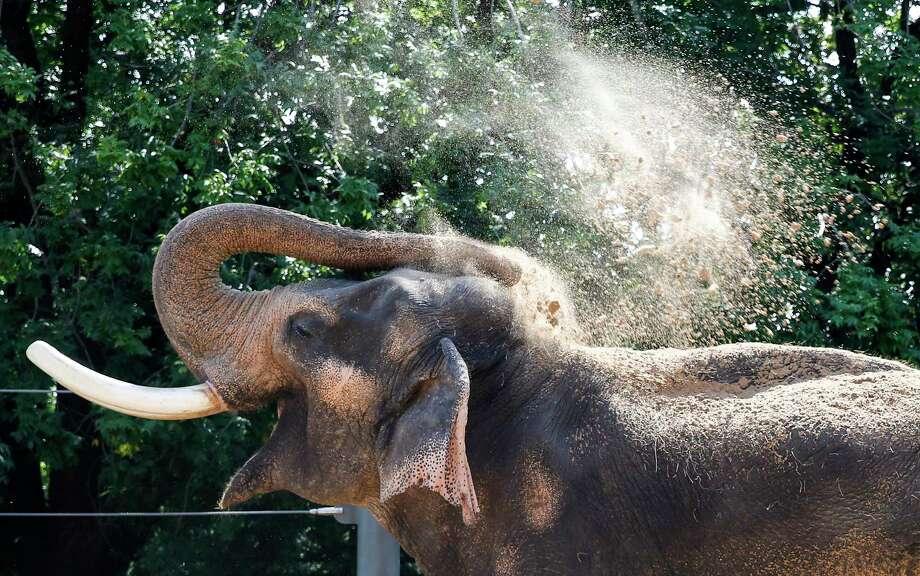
(667, 211)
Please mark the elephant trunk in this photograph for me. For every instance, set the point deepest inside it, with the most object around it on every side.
(201, 314)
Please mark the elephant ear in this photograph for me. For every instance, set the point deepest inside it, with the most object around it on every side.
(425, 445)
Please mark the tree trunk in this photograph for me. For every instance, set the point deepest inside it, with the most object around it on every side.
(75, 37)
(23, 543)
(484, 9)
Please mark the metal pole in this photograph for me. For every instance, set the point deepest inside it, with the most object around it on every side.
(378, 552)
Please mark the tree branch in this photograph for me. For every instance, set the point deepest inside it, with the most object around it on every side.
(517, 23)
(455, 12)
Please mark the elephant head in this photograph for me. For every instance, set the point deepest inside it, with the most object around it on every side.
(371, 378)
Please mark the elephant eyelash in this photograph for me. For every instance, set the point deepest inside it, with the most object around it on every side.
(319, 312)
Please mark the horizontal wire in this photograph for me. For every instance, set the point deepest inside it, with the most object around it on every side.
(32, 391)
(329, 511)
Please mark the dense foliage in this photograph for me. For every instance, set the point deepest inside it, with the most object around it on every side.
(120, 118)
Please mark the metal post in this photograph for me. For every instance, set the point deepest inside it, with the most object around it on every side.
(378, 552)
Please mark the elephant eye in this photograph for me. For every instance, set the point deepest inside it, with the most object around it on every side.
(309, 323)
(301, 330)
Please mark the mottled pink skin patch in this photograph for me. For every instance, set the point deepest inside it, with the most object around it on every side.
(461, 479)
(344, 388)
(540, 494)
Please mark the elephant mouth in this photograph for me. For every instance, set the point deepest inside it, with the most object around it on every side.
(277, 465)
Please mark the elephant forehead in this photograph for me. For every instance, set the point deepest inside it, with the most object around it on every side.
(344, 387)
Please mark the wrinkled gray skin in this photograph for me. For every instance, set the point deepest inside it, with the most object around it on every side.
(485, 447)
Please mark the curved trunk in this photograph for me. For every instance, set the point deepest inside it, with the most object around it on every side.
(199, 312)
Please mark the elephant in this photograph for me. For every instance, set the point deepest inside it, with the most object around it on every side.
(488, 446)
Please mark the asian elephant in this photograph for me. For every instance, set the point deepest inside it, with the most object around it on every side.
(487, 446)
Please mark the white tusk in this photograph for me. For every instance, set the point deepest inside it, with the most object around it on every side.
(143, 401)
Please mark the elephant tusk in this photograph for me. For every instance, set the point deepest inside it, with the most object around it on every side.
(143, 401)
